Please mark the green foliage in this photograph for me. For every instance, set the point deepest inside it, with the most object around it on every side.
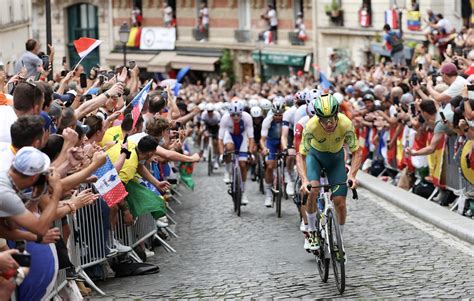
(334, 6)
(227, 64)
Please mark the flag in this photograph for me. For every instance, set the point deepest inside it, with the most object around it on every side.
(182, 73)
(138, 102)
(413, 20)
(435, 162)
(84, 46)
(325, 84)
(109, 186)
(391, 18)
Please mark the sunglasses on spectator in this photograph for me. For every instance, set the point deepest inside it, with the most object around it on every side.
(328, 120)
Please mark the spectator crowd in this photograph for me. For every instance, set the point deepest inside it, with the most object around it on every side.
(58, 130)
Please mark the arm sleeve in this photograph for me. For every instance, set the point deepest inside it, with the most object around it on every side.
(249, 126)
(286, 118)
(350, 139)
(266, 126)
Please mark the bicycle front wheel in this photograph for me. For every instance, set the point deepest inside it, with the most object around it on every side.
(209, 160)
(321, 259)
(337, 250)
(238, 192)
(279, 188)
(260, 173)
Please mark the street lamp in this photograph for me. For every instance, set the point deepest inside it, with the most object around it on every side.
(124, 32)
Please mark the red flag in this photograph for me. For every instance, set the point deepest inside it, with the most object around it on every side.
(84, 46)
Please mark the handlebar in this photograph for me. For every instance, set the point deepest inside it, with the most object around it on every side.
(355, 195)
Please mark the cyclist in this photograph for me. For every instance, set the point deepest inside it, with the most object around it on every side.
(287, 142)
(298, 133)
(210, 119)
(322, 147)
(270, 143)
(236, 133)
(257, 118)
(266, 106)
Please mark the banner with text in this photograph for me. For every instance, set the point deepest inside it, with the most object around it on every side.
(158, 38)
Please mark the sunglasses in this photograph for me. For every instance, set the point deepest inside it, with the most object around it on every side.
(329, 120)
(278, 115)
(235, 114)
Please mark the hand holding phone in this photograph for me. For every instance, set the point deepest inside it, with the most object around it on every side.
(83, 80)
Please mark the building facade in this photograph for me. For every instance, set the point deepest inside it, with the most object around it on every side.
(330, 26)
(15, 21)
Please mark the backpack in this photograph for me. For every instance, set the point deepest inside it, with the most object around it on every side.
(395, 41)
(423, 189)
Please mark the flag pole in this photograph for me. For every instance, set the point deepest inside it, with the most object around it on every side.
(78, 63)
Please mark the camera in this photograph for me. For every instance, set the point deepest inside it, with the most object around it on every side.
(414, 79)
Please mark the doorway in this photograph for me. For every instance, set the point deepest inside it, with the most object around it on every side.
(82, 22)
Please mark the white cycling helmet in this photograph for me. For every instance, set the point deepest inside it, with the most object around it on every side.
(225, 106)
(310, 110)
(278, 106)
(312, 94)
(202, 106)
(339, 97)
(218, 106)
(191, 106)
(265, 104)
(256, 112)
(290, 100)
(253, 103)
(210, 107)
(236, 108)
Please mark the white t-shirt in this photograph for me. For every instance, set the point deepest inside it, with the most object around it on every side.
(168, 14)
(446, 25)
(7, 156)
(456, 87)
(273, 18)
(205, 15)
(8, 116)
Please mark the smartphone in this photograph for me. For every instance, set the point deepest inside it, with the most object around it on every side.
(83, 80)
(470, 87)
(23, 260)
(443, 117)
(131, 64)
(420, 66)
(412, 108)
(101, 79)
(110, 74)
(64, 61)
(20, 245)
(63, 73)
(125, 139)
(45, 59)
(37, 76)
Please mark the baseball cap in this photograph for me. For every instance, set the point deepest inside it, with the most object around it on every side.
(30, 161)
(449, 69)
(47, 120)
(67, 98)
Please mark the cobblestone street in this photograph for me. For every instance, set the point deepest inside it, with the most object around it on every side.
(390, 253)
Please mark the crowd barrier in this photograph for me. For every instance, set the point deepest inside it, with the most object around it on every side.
(90, 236)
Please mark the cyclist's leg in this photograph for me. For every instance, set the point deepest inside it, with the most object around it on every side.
(313, 173)
(290, 160)
(337, 174)
(273, 147)
(228, 147)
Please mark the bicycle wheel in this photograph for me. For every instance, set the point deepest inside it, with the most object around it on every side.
(238, 191)
(260, 173)
(279, 187)
(321, 260)
(209, 159)
(336, 248)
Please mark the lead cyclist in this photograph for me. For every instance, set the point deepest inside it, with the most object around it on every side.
(322, 147)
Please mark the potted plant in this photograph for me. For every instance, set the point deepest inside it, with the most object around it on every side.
(333, 10)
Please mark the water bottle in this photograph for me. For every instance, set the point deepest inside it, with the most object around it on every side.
(321, 205)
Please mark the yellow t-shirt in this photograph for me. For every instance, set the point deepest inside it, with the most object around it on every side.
(112, 135)
(129, 168)
(315, 136)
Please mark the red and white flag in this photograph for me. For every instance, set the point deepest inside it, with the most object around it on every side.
(109, 186)
(138, 102)
(84, 46)
(391, 18)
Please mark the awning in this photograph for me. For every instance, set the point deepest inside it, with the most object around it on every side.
(161, 62)
(276, 58)
(195, 62)
(116, 58)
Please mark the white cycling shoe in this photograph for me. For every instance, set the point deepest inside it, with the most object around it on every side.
(226, 177)
(268, 201)
(244, 200)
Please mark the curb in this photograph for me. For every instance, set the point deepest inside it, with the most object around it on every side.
(421, 208)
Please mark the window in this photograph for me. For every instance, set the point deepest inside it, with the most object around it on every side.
(298, 7)
(137, 12)
(401, 4)
(244, 14)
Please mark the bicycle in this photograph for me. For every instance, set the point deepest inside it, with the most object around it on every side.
(278, 183)
(210, 152)
(329, 235)
(235, 189)
(260, 172)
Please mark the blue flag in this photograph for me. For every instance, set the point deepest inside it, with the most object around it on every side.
(325, 84)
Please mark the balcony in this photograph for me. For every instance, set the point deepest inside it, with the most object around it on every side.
(199, 35)
(243, 36)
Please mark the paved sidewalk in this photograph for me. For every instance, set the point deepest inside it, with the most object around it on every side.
(428, 211)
